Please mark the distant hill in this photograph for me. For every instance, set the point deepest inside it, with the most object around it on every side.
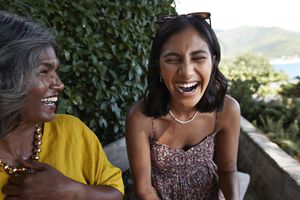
(271, 42)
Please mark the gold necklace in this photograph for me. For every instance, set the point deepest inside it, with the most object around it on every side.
(37, 142)
(183, 122)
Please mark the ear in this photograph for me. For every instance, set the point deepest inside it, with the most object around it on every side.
(213, 59)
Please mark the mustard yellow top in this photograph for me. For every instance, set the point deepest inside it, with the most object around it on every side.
(73, 149)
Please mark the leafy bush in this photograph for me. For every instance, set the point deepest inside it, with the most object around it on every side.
(287, 138)
(250, 76)
(292, 89)
(279, 116)
(104, 51)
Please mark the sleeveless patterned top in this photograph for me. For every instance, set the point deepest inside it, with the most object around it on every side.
(185, 175)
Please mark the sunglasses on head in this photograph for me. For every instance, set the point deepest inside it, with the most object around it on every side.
(161, 20)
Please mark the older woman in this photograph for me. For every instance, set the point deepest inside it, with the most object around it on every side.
(44, 155)
(185, 117)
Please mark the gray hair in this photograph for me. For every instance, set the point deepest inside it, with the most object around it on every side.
(21, 43)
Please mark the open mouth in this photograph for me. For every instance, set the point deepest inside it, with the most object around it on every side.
(188, 87)
(50, 101)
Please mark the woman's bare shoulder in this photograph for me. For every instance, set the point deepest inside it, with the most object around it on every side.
(230, 111)
(136, 110)
(231, 105)
(135, 115)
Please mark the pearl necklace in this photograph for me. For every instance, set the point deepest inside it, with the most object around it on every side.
(37, 141)
(183, 122)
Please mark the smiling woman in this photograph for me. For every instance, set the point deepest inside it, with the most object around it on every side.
(182, 137)
(44, 155)
(41, 101)
(185, 67)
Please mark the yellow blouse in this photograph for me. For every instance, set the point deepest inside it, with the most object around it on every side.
(73, 149)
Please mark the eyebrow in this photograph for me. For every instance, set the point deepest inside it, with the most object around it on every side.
(169, 54)
(199, 51)
(51, 65)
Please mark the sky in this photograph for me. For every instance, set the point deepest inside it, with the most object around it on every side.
(227, 14)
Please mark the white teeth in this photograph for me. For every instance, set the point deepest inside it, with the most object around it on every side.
(187, 85)
(50, 100)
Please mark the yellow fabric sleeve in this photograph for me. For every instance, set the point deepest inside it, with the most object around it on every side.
(73, 149)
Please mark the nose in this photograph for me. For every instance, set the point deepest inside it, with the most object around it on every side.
(57, 84)
(187, 68)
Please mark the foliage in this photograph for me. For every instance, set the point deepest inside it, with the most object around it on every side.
(292, 89)
(104, 51)
(282, 125)
(250, 78)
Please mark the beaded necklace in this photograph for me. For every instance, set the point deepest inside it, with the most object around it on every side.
(37, 141)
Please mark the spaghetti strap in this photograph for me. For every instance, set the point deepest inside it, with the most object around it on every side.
(152, 125)
(216, 118)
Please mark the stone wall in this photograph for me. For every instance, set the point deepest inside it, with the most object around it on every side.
(274, 174)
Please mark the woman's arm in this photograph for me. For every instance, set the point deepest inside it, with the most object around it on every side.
(50, 184)
(97, 192)
(227, 148)
(75, 167)
(137, 130)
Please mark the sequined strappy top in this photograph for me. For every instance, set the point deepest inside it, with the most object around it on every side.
(185, 174)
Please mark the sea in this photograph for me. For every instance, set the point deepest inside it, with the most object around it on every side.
(291, 69)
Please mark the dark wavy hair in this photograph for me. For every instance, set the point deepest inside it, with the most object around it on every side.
(22, 42)
(156, 97)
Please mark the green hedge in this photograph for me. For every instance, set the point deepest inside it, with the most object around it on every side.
(104, 51)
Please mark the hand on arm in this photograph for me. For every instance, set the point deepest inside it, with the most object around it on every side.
(48, 183)
(227, 148)
(137, 140)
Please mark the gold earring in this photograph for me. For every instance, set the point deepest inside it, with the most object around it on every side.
(161, 80)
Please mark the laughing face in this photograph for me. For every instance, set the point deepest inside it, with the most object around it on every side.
(185, 67)
(41, 103)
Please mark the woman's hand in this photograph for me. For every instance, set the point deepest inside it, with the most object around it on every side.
(44, 182)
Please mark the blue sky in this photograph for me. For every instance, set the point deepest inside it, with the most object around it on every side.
(227, 14)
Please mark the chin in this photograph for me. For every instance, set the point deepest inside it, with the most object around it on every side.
(190, 104)
(48, 117)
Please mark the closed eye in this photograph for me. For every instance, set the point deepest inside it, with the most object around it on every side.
(172, 61)
(45, 68)
(170, 58)
(199, 55)
(44, 72)
(199, 59)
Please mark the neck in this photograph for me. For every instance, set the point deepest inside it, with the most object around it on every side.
(182, 112)
(185, 120)
(17, 143)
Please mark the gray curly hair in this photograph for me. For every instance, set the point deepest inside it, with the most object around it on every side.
(22, 41)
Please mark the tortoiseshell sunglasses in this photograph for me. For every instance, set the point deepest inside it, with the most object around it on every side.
(161, 20)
